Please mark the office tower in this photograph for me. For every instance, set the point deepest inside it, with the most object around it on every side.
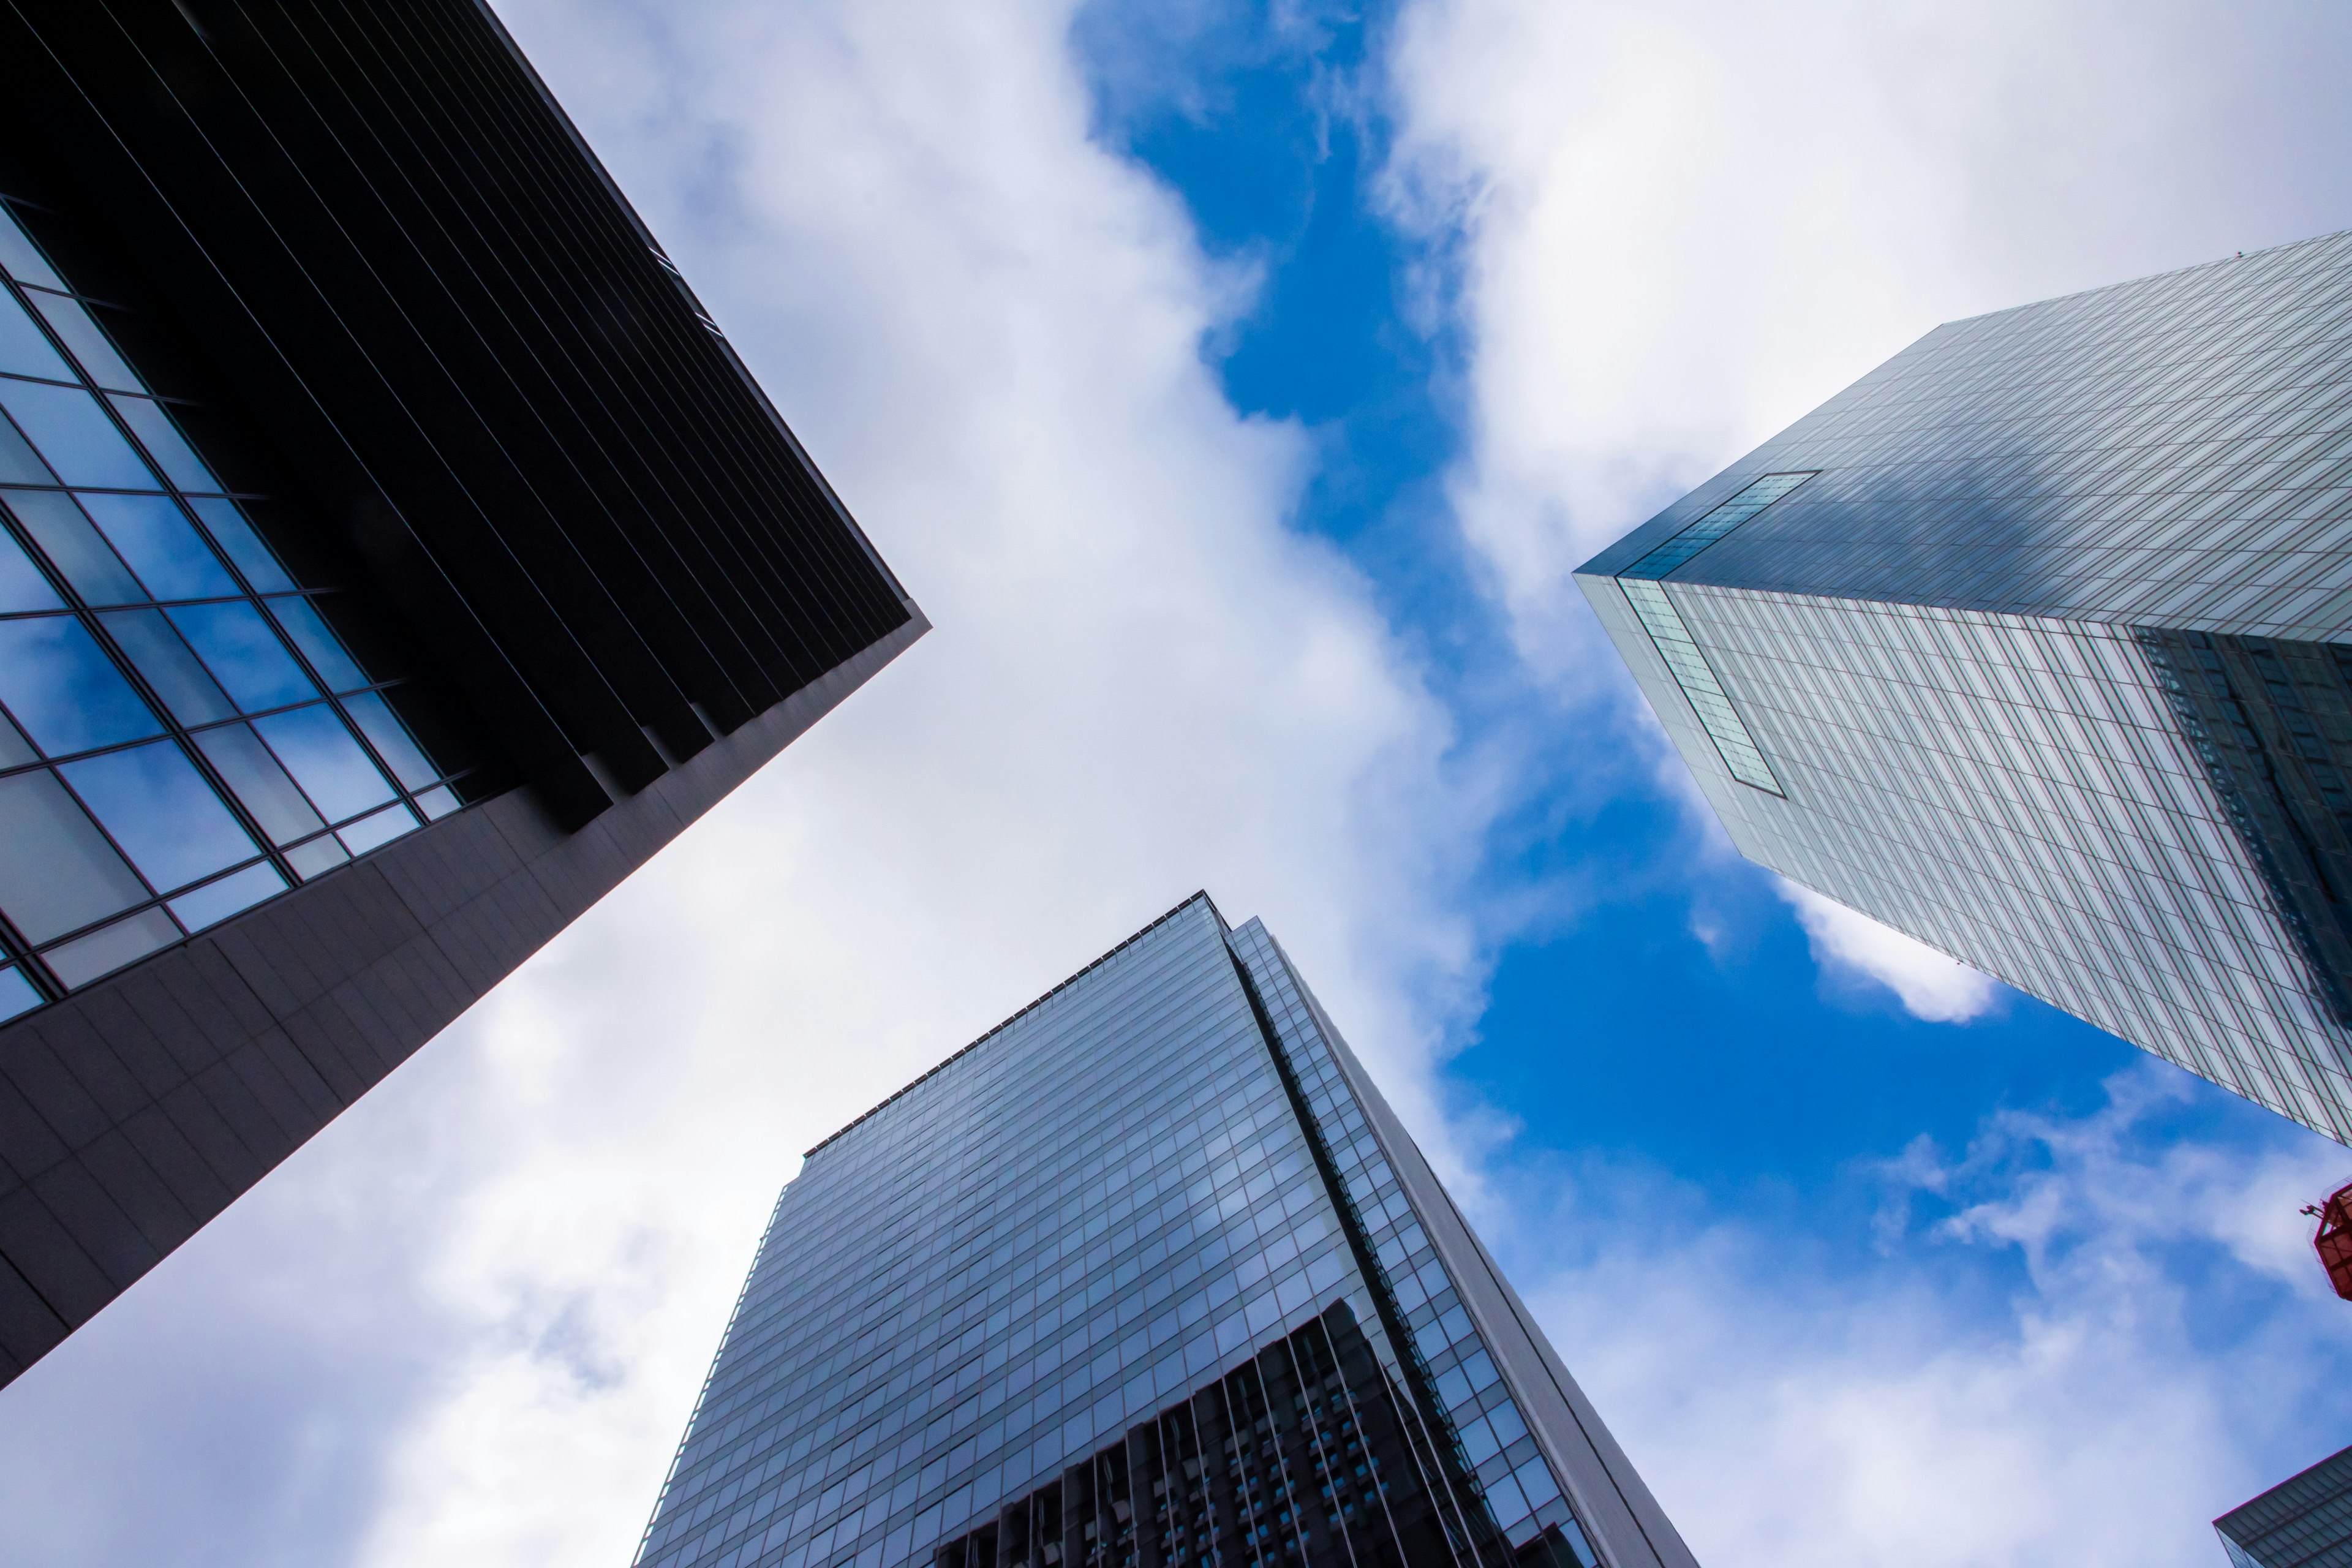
(394, 556)
(1147, 1276)
(2032, 644)
(2303, 1523)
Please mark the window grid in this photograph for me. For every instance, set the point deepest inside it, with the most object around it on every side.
(1740, 754)
(1751, 499)
(183, 731)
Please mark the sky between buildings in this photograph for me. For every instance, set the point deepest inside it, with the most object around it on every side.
(1237, 387)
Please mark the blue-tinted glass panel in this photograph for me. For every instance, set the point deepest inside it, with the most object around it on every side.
(102, 952)
(373, 832)
(22, 586)
(17, 994)
(1753, 498)
(162, 545)
(75, 549)
(1705, 694)
(244, 654)
(14, 750)
(64, 692)
(259, 783)
(56, 870)
(390, 740)
(161, 813)
(161, 438)
(18, 465)
(325, 760)
(232, 894)
(317, 858)
(23, 349)
(18, 255)
(74, 327)
(321, 646)
(172, 673)
(241, 544)
(71, 429)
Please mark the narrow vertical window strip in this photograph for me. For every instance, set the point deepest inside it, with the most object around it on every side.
(1705, 694)
(1716, 524)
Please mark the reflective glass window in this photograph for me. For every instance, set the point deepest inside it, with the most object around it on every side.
(161, 546)
(142, 616)
(61, 688)
(64, 534)
(325, 760)
(71, 429)
(161, 813)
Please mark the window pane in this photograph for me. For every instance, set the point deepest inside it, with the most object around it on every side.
(101, 953)
(216, 902)
(186, 690)
(320, 856)
(162, 545)
(437, 801)
(236, 538)
(14, 750)
(22, 586)
(384, 827)
(322, 647)
(66, 693)
(57, 871)
(74, 547)
(240, 758)
(161, 813)
(74, 434)
(325, 760)
(90, 345)
(163, 443)
(16, 993)
(245, 655)
(17, 464)
(390, 740)
(17, 254)
(23, 349)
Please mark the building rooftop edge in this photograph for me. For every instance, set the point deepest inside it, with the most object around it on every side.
(1594, 567)
(1198, 896)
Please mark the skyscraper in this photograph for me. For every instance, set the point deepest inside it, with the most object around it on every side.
(394, 555)
(1148, 1275)
(2304, 1521)
(2032, 644)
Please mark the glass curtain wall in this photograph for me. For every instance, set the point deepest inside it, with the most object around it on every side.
(188, 730)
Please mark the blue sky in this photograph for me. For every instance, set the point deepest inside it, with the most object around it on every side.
(1237, 387)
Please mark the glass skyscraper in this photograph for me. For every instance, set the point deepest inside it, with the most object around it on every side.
(394, 555)
(2304, 1521)
(2036, 643)
(1148, 1276)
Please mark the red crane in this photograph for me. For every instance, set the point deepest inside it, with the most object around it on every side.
(2334, 1240)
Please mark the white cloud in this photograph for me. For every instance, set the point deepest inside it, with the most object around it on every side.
(501, 1275)
(2036, 1377)
(1931, 986)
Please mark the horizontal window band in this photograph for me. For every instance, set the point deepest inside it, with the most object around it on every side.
(1753, 498)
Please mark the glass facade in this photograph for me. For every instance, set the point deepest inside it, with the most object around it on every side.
(1133, 1279)
(2304, 1522)
(186, 727)
(2047, 659)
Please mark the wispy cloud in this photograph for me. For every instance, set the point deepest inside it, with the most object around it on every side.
(2006, 1356)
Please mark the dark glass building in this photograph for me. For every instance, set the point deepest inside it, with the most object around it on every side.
(1148, 1276)
(2304, 1522)
(393, 556)
(2032, 643)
